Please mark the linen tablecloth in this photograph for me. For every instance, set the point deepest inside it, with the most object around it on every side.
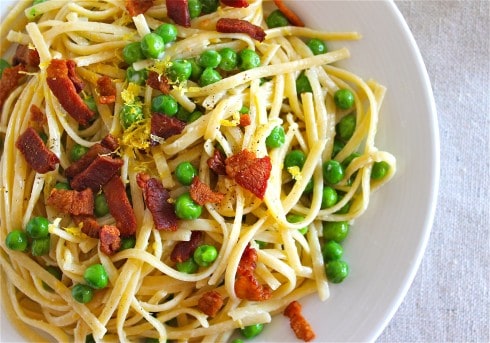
(449, 298)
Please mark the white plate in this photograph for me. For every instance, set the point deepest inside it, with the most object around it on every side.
(387, 243)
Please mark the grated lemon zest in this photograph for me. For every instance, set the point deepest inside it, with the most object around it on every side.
(295, 172)
(130, 93)
(76, 231)
(137, 136)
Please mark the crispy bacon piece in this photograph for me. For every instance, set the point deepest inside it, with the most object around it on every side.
(136, 7)
(178, 11)
(245, 120)
(119, 206)
(110, 142)
(26, 56)
(106, 89)
(37, 155)
(164, 126)
(182, 251)
(37, 116)
(302, 329)
(72, 202)
(90, 226)
(232, 25)
(246, 285)
(158, 82)
(249, 171)
(210, 303)
(97, 174)
(11, 78)
(217, 162)
(288, 13)
(202, 194)
(235, 3)
(110, 242)
(157, 200)
(65, 85)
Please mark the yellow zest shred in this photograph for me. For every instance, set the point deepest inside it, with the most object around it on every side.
(130, 93)
(295, 172)
(234, 122)
(137, 136)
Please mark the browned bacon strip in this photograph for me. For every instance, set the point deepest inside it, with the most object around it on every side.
(110, 142)
(302, 329)
(245, 120)
(37, 116)
(136, 7)
(210, 303)
(158, 82)
(246, 284)
(11, 78)
(72, 202)
(90, 227)
(65, 85)
(37, 155)
(232, 25)
(178, 11)
(217, 162)
(119, 206)
(288, 13)
(97, 174)
(110, 242)
(106, 89)
(202, 194)
(235, 3)
(164, 126)
(157, 200)
(182, 251)
(26, 56)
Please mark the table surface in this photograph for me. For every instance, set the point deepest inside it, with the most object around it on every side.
(449, 297)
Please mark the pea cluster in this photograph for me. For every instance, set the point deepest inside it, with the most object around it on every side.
(96, 277)
(35, 237)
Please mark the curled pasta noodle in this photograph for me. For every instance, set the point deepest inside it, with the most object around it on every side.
(147, 295)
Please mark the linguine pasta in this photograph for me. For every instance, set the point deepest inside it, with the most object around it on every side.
(147, 296)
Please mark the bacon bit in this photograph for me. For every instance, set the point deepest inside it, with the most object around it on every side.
(302, 329)
(72, 202)
(182, 251)
(217, 162)
(110, 142)
(107, 90)
(11, 78)
(248, 261)
(37, 118)
(235, 3)
(210, 303)
(97, 174)
(178, 11)
(90, 226)
(246, 285)
(288, 13)
(245, 120)
(249, 171)
(82, 164)
(164, 126)
(35, 152)
(157, 201)
(136, 7)
(119, 206)
(26, 56)
(110, 242)
(202, 194)
(232, 25)
(65, 85)
(158, 82)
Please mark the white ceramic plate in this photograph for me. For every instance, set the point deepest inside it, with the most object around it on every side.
(386, 244)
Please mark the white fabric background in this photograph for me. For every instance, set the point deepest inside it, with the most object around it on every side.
(449, 298)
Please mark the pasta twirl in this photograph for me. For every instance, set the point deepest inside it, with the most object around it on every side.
(239, 131)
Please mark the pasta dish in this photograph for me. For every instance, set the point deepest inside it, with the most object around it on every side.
(177, 170)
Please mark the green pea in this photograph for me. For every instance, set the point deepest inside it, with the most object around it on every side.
(35, 2)
(205, 255)
(209, 59)
(344, 98)
(136, 76)
(40, 246)
(333, 172)
(249, 59)
(346, 126)
(37, 227)
(44, 137)
(165, 104)
(329, 197)
(337, 146)
(196, 70)
(96, 276)
(56, 272)
(168, 32)
(209, 6)
(188, 267)
(276, 19)
(132, 53)
(185, 173)
(244, 110)
(296, 218)
(252, 330)
(182, 114)
(152, 45)
(90, 102)
(77, 151)
(336, 271)
(180, 70)
(151, 340)
(82, 293)
(349, 159)
(195, 8)
(317, 46)
(209, 76)
(276, 138)
(186, 208)
(16, 240)
(101, 208)
(294, 158)
(237, 340)
(194, 116)
(229, 59)
(128, 242)
(303, 84)
(332, 251)
(379, 170)
(335, 231)
(309, 187)
(3, 65)
(89, 338)
(344, 209)
(130, 114)
(261, 244)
